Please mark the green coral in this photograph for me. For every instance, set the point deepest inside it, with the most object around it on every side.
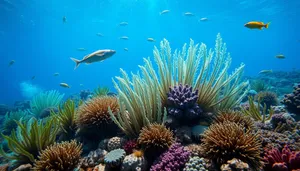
(9, 123)
(101, 91)
(30, 138)
(259, 86)
(44, 100)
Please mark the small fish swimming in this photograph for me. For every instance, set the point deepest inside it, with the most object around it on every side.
(164, 12)
(81, 49)
(65, 85)
(56, 74)
(99, 34)
(265, 71)
(256, 25)
(33, 77)
(150, 39)
(280, 56)
(203, 19)
(11, 62)
(126, 49)
(123, 23)
(97, 56)
(64, 19)
(189, 14)
(124, 37)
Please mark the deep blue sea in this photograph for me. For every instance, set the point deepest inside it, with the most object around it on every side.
(32, 33)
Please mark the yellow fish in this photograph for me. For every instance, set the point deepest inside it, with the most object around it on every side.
(280, 56)
(256, 25)
(64, 85)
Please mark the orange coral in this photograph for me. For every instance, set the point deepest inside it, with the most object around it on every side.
(236, 117)
(94, 114)
(227, 140)
(138, 153)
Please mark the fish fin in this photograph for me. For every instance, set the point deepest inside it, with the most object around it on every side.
(267, 25)
(77, 62)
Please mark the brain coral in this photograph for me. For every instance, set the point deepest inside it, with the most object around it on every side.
(227, 140)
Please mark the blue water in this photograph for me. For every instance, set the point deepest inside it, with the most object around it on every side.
(33, 34)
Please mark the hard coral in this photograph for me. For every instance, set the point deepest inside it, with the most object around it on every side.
(182, 102)
(114, 158)
(195, 163)
(227, 140)
(286, 160)
(64, 156)
(236, 117)
(134, 163)
(94, 116)
(93, 158)
(155, 139)
(292, 101)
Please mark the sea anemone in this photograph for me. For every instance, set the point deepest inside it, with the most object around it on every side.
(94, 116)
(182, 103)
(236, 117)
(267, 97)
(64, 156)
(227, 140)
(114, 158)
(155, 139)
(173, 159)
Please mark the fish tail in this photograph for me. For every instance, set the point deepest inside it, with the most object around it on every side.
(77, 62)
(267, 25)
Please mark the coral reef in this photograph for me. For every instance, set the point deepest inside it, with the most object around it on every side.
(93, 158)
(9, 122)
(235, 165)
(259, 85)
(85, 94)
(155, 139)
(182, 103)
(173, 159)
(267, 97)
(93, 116)
(114, 158)
(64, 156)
(282, 122)
(227, 140)
(134, 163)
(114, 143)
(195, 164)
(101, 91)
(183, 135)
(195, 149)
(286, 160)
(236, 117)
(129, 146)
(292, 101)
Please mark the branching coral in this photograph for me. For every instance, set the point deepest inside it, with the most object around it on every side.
(292, 101)
(31, 138)
(64, 156)
(44, 100)
(94, 115)
(286, 160)
(267, 97)
(144, 96)
(236, 117)
(227, 140)
(255, 112)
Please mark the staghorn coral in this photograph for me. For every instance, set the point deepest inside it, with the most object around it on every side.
(114, 158)
(267, 97)
(114, 143)
(93, 115)
(286, 160)
(292, 101)
(31, 138)
(145, 95)
(236, 117)
(173, 159)
(155, 139)
(129, 146)
(64, 156)
(227, 140)
(182, 103)
(195, 164)
(134, 163)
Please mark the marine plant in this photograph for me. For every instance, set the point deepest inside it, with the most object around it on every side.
(227, 140)
(259, 85)
(267, 97)
(145, 95)
(182, 104)
(64, 156)
(286, 160)
(236, 117)
(93, 116)
(256, 113)
(101, 91)
(292, 101)
(66, 116)
(45, 100)
(114, 158)
(9, 122)
(173, 159)
(30, 138)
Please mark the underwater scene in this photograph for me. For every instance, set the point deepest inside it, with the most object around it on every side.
(149, 85)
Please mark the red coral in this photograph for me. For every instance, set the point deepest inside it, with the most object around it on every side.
(129, 146)
(286, 160)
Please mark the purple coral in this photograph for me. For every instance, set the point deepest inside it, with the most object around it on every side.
(286, 160)
(173, 159)
(292, 101)
(182, 102)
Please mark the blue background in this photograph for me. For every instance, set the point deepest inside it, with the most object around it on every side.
(33, 34)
